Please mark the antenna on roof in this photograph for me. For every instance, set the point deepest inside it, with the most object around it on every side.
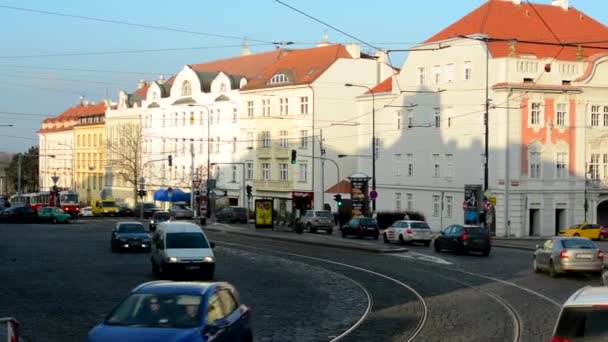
(245, 50)
(324, 40)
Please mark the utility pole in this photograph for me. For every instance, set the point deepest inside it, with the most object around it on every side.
(487, 121)
(322, 169)
(192, 177)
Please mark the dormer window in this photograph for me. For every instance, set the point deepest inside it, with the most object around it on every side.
(222, 88)
(186, 88)
(278, 79)
(154, 96)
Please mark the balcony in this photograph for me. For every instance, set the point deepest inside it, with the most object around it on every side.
(273, 185)
(264, 152)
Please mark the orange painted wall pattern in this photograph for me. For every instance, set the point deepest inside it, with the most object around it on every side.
(566, 134)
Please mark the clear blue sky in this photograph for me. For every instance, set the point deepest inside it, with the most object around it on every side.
(389, 24)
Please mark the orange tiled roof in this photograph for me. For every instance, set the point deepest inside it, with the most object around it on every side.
(74, 113)
(384, 86)
(250, 66)
(303, 66)
(505, 20)
(342, 188)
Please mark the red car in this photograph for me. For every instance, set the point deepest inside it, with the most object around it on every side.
(603, 233)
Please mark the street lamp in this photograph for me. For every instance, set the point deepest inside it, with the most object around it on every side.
(355, 155)
(373, 139)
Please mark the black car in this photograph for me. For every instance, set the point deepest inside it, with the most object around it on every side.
(19, 214)
(462, 239)
(158, 217)
(149, 209)
(130, 236)
(124, 211)
(361, 227)
(232, 215)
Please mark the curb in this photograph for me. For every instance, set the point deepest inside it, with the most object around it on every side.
(316, 243)
(523, 248)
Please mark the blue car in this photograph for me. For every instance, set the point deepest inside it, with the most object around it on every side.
(177, 312)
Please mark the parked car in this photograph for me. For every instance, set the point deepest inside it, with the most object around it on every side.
(19, 214)
(463, 239)
(177, 311)
(54, 215)
(158, 217)
(587, 230)
(603, 233)
(314, 220)
(149, 210)
(86, 211)
(563, 254)
(408, 231)
(130, 236)
(181, 210)
(125, 211)
(583, 316)
(181, 248)
(361, 227)
(232, 215)
(605, 276)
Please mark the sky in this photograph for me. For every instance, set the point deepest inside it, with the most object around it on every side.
(48, 61)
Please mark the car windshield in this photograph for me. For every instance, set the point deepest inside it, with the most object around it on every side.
(181, 206)
(131, 228)
(583, 322)
(150, 310)
(368, 222)
(476, 230)
(59, 211)
(65, 199)
(419, 225)
(323, 214)
(108, 204)
(578, 244)
(162, 216)
(240, 210)
(186, 240)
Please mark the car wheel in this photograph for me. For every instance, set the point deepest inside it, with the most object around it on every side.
(485, 252)
(376, 235)
(401, 241)
(329, 231)
(385, 238)
(427, 243)
(343, 234)
(552, 271)
(53, 219)
(535, 266)
(69, 220)
(436, 247)
(248, 337)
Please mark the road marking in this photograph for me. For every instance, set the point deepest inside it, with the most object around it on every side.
(422, 320)
(423, 257)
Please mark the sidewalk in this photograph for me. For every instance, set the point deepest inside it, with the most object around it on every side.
(320, 239)
(529, 243)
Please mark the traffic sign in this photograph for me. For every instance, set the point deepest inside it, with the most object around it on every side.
(373, 194)
(196, 183)
(169, 189)
(54, 179)
(493, 200)
(487, 205)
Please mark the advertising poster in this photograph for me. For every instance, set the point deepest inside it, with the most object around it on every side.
(263, 213)
(473, 198)
(359, 196)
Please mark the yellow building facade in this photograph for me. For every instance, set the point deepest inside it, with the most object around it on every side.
(89, 137)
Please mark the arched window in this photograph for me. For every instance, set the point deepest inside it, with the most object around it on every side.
(223, 88)
(279, 78)
(186, 88)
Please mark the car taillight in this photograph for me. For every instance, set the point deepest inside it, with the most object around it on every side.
(409, 231)
(600, 255)
(465, 236)
(560, 339)
(361, 228)
(563, 254)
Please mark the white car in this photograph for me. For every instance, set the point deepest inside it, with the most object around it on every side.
(408, 231)
(86, 211)
(583, 316)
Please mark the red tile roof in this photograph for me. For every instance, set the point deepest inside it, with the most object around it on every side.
(74, 113)
(250, 66)
(384, 86)
(301, 66)
(342, 188)
(503, 19)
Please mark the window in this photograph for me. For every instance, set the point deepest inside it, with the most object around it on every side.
(278, 78)
(594, 167)
(233, 173)
(449, 165)
(165, 118)
(535, 164)
(234, 115)
(410, 165)
(436, 166)
(222, 88)
(233, 144)
(283, 172)
(266, 171)
(436, 74)
(449, 73)
(176, 119)
(200, 147)
(560, 164)
(595, 116)
(249, 169)
(216, 172)
(217, 145)
(605, 167)
(283, 106)
(229, 304)
(100, 182)
(303, 139)
(436, 205)
(304, 105)
(410, 201)
(266, 139)
(186, 88)
(410, 118)
(467, 71)
(437, 116)
(605, 116)
(249, 108)
(535, 113)
(283, 142)
(399, 117)
(249, 140)
(449, 206)
(218, 116)
(265, 107)
(210, 144)
(560, 120)
(214, 310)
(192, 119)
(397, 165)
(397, 201)
(303, 172)
(421, 76)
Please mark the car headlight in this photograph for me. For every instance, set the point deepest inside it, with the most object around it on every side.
(208, 259)
(172, 259)
(105, 211)
(152, 221)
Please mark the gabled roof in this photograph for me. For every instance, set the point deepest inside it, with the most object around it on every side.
(249, 66)
(341, 188)
(504, 19)
(74, 113)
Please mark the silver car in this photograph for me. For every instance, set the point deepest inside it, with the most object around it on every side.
(181, 210)
(568, 254)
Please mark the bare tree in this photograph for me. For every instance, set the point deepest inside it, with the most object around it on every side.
(124, 149)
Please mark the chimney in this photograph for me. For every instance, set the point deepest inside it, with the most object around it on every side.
(84, 101)
(354, 50)
(560, 3)
(515, 2)
(381, 63)
(141, 84)
(161, 80)
(245, 50)
(324, 41)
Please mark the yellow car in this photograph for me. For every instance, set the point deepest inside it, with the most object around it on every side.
(587, 230)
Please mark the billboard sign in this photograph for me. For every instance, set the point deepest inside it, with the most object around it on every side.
(472, 205)
(263, 213)
(359, 196)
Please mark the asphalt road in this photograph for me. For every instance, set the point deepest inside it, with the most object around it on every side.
(60, 280)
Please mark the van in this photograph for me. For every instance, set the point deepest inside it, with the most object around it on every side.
(105, 207)
(182, 248)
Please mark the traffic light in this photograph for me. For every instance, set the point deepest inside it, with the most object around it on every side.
(249, 190)
(338, 199)
(293, 157)
(170, 159)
